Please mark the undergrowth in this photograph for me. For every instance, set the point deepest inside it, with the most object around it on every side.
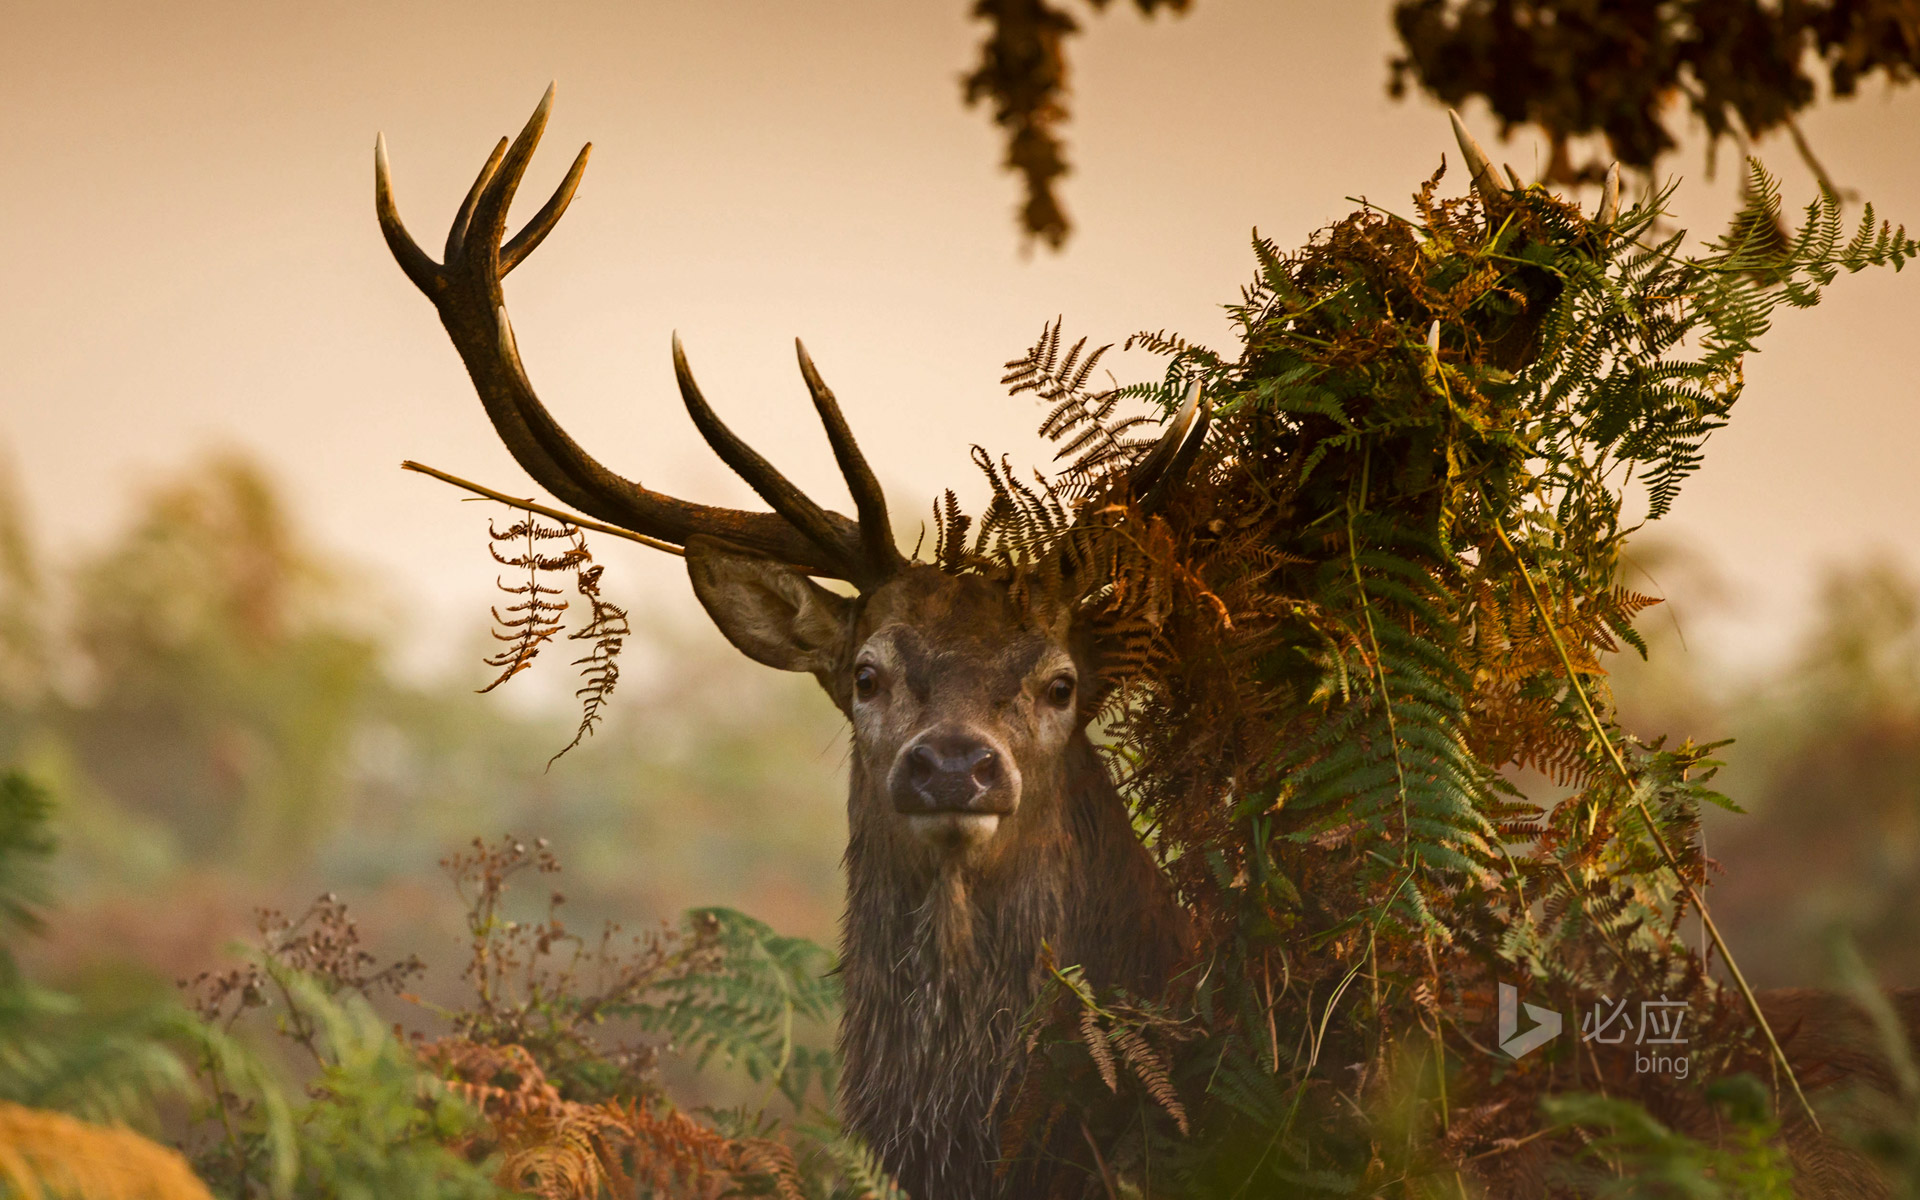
(285, 1076)
(1382, 604)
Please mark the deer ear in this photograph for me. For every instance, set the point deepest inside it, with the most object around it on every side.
(770, 612)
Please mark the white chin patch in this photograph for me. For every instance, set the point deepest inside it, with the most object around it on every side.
(954, 830)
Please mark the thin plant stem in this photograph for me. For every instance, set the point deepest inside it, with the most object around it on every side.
(528, 505)
(1379, 673)
(1659, 839)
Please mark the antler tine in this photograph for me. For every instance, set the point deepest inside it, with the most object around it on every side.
(1176, 472)
(536, 230)
(466, 292)
(1609, 197)
(1150, 472)
(422, 270)
(869, 501)
(557, 461)
(489, 219)
(457, 232)
(1477, 164)
(812, 521)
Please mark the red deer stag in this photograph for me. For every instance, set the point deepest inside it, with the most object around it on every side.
(981, 822)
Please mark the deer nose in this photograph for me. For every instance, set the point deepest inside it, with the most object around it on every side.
(950, 773)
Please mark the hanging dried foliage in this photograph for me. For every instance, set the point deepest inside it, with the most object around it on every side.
(528, 625)
(1023, 71)
(605, 633)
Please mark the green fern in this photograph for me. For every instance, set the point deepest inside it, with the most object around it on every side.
(751, 1006)
(862, 1176)
(1629, 1154)
(1390, 584)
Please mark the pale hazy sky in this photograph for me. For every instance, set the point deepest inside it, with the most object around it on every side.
(187, 189)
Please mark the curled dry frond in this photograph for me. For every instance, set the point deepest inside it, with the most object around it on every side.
(606, 632)
(561, 1149)
(528, 625)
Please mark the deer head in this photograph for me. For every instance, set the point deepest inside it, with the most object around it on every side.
(981, 821)
(959, 699)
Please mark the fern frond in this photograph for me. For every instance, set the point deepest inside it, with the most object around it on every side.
(1153, 1072)
(745, 1008)
(530, 624)
(607, 629)
(864, 1177)
(1091, 440)
(1094, 1039)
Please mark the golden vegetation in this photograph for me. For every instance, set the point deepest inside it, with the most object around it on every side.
(51, 1156)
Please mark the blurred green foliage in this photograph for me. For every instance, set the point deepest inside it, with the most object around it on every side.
(222, 688)
(1629, 1153)
(213, 708)
(1825, 760)
(214, 703)
(525, 1097)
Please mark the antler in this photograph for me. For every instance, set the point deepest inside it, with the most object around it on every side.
(1164, 468)
(466, 291)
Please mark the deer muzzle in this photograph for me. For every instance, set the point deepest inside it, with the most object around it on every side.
(954, 783)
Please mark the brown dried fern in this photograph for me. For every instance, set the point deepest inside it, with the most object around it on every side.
(531, 623)
(560, 1149)
(950, 533)
(1095, 1040)
(600, 668)
(1081, 422)
(1150, 1067)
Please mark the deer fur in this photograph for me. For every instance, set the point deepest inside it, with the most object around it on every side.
(942, 942)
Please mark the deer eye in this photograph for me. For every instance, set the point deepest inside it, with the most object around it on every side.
(866, 681)
(1060, 691)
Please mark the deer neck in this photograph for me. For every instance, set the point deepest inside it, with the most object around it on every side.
(942, 963)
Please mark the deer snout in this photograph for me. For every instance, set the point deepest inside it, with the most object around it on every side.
(951, 772)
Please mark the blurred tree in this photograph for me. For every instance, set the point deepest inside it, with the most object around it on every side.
(223, 669)
(23, 650)
(709, 781)
(212, 707)
(1573, 68)
(1582, 67)
(1828, 763)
